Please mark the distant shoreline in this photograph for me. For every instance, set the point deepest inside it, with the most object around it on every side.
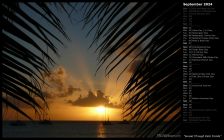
(59, 121)
(62, 121)
(67, 129)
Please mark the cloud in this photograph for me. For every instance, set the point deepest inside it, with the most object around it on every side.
(93, 100)
(59, 86)
(48, 95)
(69, 92)
(57, 77)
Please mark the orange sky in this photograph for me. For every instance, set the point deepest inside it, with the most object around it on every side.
(59, 93)
(74, 76)
(60, 109)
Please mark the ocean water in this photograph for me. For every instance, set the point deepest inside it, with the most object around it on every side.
(68, 129)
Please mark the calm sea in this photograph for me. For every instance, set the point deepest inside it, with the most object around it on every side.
(68, 129)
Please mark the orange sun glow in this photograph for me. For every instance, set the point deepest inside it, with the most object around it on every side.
(100, 110)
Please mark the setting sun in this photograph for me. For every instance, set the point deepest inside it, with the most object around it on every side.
(100, 109)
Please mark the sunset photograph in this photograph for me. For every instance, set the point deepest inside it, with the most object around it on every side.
(91, 69)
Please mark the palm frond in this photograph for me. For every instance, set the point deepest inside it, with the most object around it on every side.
(154, 88)
(24, 58)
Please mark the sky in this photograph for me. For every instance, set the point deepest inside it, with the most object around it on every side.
(75, 92)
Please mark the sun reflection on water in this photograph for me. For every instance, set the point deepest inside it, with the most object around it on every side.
(101, 131)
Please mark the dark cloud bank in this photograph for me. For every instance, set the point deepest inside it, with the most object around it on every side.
(93, 100)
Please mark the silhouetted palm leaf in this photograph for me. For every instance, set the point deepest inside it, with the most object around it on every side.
(24, 58)
(153, 30)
